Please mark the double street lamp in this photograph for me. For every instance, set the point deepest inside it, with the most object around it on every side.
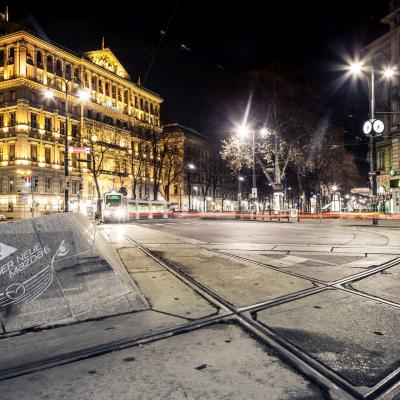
(243, 132)
(372, 127)
(83, 95)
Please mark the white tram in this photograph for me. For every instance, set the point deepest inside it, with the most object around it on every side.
(118, 208)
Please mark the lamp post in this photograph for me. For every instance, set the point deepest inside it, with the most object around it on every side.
(373, 127)
(190, 168)
(83, 96)
(239, 197)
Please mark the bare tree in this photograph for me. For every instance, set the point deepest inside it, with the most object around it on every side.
(100, 145)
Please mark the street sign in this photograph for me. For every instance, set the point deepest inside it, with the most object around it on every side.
(79, 150)
(254, 193)
(360, 190)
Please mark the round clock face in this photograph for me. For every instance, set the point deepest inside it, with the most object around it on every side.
(367, 128)
(378, 126)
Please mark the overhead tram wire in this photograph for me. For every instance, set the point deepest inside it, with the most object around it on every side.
(163, 33)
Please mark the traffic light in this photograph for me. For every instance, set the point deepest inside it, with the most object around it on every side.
(80, 186)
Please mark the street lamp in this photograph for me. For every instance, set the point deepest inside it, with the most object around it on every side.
(372, 127)
(190, 168)
(83, 95)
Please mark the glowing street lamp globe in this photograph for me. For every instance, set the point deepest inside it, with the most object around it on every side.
(356, 68)
(389, 72)
(83, 95)
(243, 131)
(48, 94)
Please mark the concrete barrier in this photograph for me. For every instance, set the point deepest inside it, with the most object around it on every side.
(51, 273)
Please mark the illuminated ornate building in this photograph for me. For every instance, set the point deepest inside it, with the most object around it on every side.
(109, 121)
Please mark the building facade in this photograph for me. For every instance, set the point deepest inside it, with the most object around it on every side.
(384, 52)
(109, 122)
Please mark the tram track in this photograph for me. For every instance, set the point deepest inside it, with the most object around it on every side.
(336, 385)
(325, 378)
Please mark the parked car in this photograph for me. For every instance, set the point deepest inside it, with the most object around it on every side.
(2, 217)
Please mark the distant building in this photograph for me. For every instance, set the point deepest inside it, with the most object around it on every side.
(207, 185)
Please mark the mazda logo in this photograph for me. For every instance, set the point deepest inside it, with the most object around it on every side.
(15, 291)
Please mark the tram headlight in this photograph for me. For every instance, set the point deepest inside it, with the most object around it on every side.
(119, 212)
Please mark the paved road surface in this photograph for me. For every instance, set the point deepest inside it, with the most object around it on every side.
(239, 310)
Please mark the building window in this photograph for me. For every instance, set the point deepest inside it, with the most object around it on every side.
(76, 75)
(1, 121)
(73, 161)
(62, 157)
(33, 120)
(47, 155)
(12, 119)
(1, 58)
(29, 58)
(10, 183)
(33, 153)
(62, 128)
(94, 83)
(10, 55)
(50, 64)
(47, 185)
(58, 67)
(107, 88)
(100, 86)
(13, 95)
(1, 154)
(11, 152)
(47, 124)
(68, 71)
(39, 59)
(35, 183)
(74, 131)
(74, 187)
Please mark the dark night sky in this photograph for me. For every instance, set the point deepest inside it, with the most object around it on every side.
(224, 37)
